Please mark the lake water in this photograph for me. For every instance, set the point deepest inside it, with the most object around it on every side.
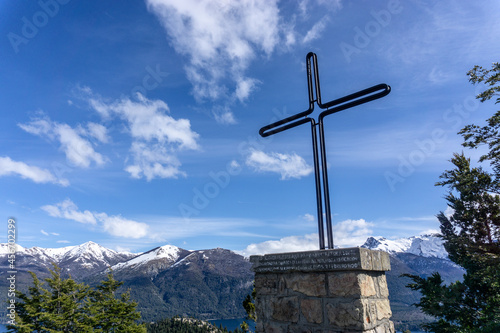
(231, 324)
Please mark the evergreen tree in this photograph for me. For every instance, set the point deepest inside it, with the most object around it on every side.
(57, 310)
(111, 314)
(472, 233)
(249, 306)
(67, 306)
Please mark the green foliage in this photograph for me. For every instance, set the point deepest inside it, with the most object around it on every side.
(487, 135)
(185, 325)
(66, 306)
(249, 306)
(471, 233)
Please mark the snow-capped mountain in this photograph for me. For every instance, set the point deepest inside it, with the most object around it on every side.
(153, 261)
(429, 246)
(168, 281)
(80, 259)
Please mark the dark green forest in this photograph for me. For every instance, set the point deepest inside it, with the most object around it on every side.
(186, 325)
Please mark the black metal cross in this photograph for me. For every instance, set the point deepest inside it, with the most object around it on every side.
(334, 106)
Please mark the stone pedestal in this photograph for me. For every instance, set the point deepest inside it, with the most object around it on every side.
(341, 290)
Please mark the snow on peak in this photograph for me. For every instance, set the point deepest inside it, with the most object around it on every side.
(422, 245)
(90, 249)
(168, 253)
(428, 246)
(387, 245)
(6, 248)
(80, 252)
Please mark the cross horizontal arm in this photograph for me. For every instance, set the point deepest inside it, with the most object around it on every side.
(266, 130)
(371, 94)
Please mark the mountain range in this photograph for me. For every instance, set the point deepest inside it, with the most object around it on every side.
(209, 284)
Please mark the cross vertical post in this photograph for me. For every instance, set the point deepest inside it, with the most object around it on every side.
(334, 106)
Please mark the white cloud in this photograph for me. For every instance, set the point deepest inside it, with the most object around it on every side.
(348, 233)
(68, 210)
(315, 31)
(147, 120)
(287, 244)
(121, 227)
(220, 39)
(153, 161)
(63, 241)
(244, 87)
(351, 233)
(9, 167)
(449, 212)
(157, 137)
(289, 166)
(115, 225)
(98, 131)
(308, 217)
(78, 150)
(223, 115)
(39, 126)
(49, 233)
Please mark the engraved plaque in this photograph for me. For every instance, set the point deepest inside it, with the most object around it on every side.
(322, 261)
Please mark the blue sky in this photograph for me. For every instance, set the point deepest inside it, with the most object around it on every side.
(135, 124)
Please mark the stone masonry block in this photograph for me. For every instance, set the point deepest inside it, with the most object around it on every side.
(345, 315)
(285, 309)
(312, 310)
(366, 285)
(273, 328)
(312, 284)
(266, 283)
(383, 291)
(356, 315)
(342, 284)
(383, 309)
(262, 307)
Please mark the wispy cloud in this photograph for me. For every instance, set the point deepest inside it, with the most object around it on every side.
(288, 165)
(157, 136)
(68, 210)
(315, 31)
(170, 228)
(348, 233)
(49, 233)
(79, 150)
(114, 225)
(122, 227)
(220, 39)
(287, 244)
(9, 167)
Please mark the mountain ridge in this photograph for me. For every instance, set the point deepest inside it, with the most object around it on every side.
(427, 245)
(208, 284)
